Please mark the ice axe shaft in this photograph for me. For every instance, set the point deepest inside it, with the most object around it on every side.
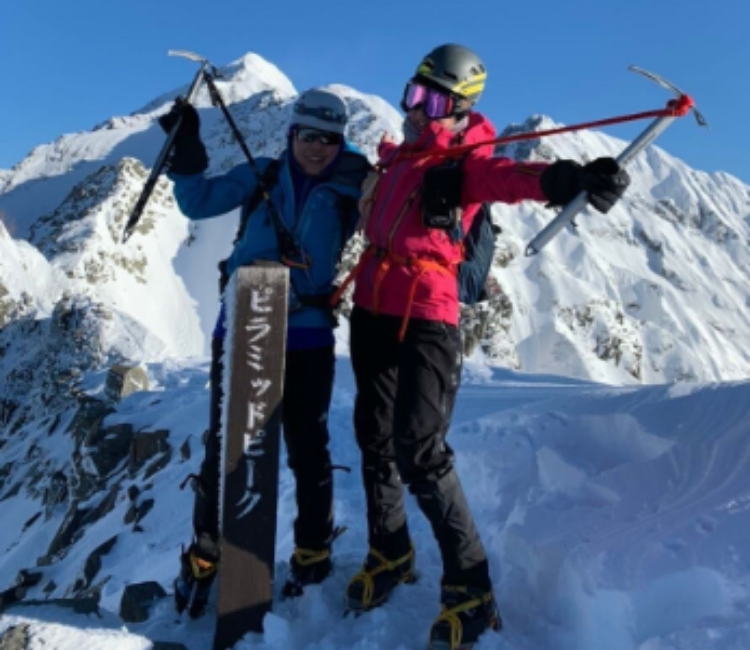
(682, 105)
(581, 200)
(161, 159)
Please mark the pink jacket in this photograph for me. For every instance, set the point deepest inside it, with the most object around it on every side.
(395, 222)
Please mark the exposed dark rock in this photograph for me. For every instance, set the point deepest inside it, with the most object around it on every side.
(159, 464)
(28, 578)
(131, 514)
(57, 491)
(66, 533)
(133, 492)
(185, 450)
(136, 600)
(138, 511)
(145, 445)
(32, 521)
(91, 412)
(143, 509)
(10, 596)
(106, 505)
(94, 561)
(109, 447)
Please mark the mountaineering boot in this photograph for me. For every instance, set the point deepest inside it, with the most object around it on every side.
(378, 577)
(467, 614)
(306, 567)
(193, 585)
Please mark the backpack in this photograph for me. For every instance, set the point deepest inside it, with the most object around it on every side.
(441, 195)
(479, 251)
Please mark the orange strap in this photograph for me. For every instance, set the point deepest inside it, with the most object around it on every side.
(387, 259)
(336, 297)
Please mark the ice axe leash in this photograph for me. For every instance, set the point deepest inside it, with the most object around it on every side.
(161, 159)
(675, 108)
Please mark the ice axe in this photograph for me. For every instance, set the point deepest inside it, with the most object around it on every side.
(161, 159)
(675, 108)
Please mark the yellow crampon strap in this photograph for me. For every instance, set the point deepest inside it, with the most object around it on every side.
(201, 568)
(366, 576)
(306, 557)
(451, 615)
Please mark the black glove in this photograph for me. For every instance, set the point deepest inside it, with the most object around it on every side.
(603, 179)
(191, 122)
(188, 153)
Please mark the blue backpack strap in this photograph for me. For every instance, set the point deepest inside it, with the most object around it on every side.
(270, 178)
(479, 251)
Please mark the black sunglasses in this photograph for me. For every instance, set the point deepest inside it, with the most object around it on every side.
(314, 135)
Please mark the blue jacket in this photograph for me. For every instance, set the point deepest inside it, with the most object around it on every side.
(317, 225)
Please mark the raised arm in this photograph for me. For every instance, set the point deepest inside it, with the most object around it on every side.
(202, 198)
(197, 196)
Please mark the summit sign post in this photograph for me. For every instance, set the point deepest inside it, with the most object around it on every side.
(256, 301)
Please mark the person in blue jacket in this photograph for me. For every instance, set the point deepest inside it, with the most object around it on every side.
(314, 188)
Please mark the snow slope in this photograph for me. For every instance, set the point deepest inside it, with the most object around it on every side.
(613, 518)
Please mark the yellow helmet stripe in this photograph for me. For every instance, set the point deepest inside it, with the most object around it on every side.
(475, 84)
(469, 89)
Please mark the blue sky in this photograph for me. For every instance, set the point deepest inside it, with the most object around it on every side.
(67, 66)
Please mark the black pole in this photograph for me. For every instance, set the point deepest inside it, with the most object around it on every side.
(161, 160)
(291, 253)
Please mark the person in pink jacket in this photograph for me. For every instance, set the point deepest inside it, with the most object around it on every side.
(405, 342)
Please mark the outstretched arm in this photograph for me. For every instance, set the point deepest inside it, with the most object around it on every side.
(489, 180)
(501, 179)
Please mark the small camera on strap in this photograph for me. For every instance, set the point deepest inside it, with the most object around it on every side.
(441, 196)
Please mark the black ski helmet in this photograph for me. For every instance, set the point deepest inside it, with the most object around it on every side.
(455, 68)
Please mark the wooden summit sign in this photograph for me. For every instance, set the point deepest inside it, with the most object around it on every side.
(256, 302)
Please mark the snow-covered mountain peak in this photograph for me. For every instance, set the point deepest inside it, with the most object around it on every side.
(609, 303)
(249, 75)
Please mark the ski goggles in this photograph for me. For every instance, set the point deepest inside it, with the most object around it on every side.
(321, 112)
(310, 136)
(435, 103)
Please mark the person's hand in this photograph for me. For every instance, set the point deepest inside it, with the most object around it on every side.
(603, 179)
(605, 182)
(188, 155)
(191, 122)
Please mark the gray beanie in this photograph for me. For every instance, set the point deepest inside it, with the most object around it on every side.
(320, 109)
